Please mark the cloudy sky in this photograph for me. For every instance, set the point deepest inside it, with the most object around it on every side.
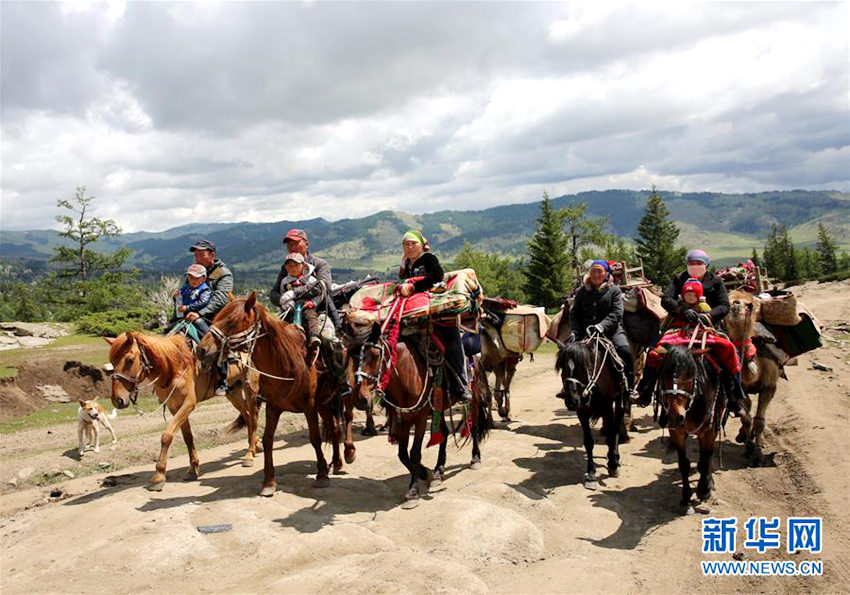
(173, 113)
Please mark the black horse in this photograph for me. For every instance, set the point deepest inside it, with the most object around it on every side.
(692, 403)
(594, 387)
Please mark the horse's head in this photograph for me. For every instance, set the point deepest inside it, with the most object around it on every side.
(368, 356)
(743, 313)
(130, 366)
(679, 383)
(235, 321)
(573, 362)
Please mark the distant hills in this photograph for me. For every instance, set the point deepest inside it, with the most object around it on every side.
(727, 225)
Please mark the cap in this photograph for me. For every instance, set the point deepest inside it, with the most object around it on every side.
(295, 256)
(699, 256)
(296, 235)
(203, 245)
(196, 270)
(692, 286)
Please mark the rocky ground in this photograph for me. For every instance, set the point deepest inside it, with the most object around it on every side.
(523, 523)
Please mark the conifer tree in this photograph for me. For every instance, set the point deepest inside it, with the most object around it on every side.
(546, 276)
(826, 251)
(656, 241)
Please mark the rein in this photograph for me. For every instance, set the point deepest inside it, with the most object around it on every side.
(243, 341)
(608, 350)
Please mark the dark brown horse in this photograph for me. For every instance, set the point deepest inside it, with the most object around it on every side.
(277, 351)
(690, 397)
(167, 363)
(593, 386)
(410, 402)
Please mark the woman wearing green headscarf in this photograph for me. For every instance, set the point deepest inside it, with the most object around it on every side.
(421, 270)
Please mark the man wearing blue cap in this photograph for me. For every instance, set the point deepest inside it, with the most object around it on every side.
(598, 309)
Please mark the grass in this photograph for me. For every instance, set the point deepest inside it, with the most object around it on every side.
(85, 348)
(59, 413)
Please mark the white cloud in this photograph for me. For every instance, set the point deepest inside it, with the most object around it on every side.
(172, 113)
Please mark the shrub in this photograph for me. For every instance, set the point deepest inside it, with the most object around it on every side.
(115, 322)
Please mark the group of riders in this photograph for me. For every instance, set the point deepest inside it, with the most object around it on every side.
(695, 299)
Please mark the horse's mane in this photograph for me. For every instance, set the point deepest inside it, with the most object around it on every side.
(170, 356)
(286, 340)
(576, 352)
(678, 358)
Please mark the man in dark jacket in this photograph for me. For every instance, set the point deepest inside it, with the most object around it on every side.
(598, 309)
(296, 242)
(220, 279)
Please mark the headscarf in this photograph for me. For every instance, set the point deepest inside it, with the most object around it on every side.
(699, 256)
(414, 235)
(603, 263)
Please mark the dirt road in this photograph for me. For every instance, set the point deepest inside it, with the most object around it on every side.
(523, 523)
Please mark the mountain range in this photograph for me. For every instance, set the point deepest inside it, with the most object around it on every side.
(728, 226)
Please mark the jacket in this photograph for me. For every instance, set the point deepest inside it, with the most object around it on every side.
(301, 289)
(195, 298)
(427, 266)
(602, 305)
(712, 288)
(220, 279)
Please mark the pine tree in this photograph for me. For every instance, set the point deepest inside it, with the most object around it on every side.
(83, 230)
(755, 257)
(582, 232)
(788, 255)
(656, 241)
(547, 272)
(772, 254)
(826, 250)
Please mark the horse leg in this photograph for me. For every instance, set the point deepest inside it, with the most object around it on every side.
(706, 452)
(269, 483)
(481, 413)
(245, 401)
(499, 372)
(590, 476)
(194, 471)
(677, 439)
(181, 413)
(420, 476)
(441, 456)
(350, 450)
(331, 421)
(765, 397)
(312, 416)
(613, 439)
(369, 429)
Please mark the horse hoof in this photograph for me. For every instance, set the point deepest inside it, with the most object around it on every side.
(321, 482)
(367, 431)
(247, 462)
(686, 509)
(614, 472)
(350, 456)
(409, 504)
(268, 491)
(590, 482)
(337, 470)
(156, 487)
(504, 413)
(190, 476)
(475, 465)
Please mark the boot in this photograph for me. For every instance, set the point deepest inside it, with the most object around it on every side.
(735, 396)
(463, 395)
(221, 387)
(646, 386)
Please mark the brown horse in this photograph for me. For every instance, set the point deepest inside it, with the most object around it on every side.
(501, 362)
(759, 375)
(277, 350)
(168, 364)
(593, 386)
(409, 403)
(690, 397)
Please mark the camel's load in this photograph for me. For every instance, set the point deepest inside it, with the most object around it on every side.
(787, 322)
(459, 294)
(524, 328)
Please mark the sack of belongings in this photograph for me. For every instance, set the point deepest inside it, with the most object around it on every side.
(524, 328)
(462, 294)
(779, 307)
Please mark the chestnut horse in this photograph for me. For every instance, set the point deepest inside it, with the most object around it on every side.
(692, 402)
(277, 350)
(167, 363)
(409, 403)
(593, 387)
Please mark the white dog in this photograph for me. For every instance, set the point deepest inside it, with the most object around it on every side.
(88, 415)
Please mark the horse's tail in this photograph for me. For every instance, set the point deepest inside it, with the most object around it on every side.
(236, 425)
(482, 419)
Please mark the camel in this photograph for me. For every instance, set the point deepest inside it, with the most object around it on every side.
(759, 374)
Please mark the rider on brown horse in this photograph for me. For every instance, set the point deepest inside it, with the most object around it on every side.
(598, 309)
(421, 270)
(685, 299)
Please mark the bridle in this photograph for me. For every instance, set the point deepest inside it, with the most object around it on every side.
(140, 377)
(359, 374)
(607, 349)
(242, 342)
